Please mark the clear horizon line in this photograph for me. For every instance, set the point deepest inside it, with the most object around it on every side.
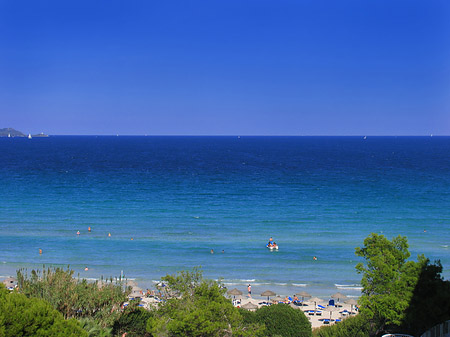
(246, 135)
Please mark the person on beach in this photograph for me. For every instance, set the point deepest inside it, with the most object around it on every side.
(249, 288)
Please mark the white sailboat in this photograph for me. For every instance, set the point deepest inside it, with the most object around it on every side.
(29, 136)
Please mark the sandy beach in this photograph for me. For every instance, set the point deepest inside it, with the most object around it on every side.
(318, 310)
(317, 315)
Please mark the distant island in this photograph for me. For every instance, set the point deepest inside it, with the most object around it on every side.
(10, 132)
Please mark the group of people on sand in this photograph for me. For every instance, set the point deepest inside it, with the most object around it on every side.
(271, 243)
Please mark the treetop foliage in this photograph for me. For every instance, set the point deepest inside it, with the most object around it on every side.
(396, 292)
(74, 298)
(281, 320)
(197, 307)
(22, 316)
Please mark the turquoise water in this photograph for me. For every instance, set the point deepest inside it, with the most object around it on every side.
(180, 197)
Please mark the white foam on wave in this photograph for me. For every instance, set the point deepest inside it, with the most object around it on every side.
(251, 280)
(299, 284)
(243, 284)
(349, 286)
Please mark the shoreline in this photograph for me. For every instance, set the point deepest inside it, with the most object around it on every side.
(283, 289)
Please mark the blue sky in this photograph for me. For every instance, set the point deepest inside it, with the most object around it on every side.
(318, 67)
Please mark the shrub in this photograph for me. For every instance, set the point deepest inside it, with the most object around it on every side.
(22, 316)
(133, 322)
(94, 329)
(197, 307)
(282, 320)
(74, 298)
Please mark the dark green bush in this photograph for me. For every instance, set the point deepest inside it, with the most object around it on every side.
(282, 320)
(133, 322)
(22, 316)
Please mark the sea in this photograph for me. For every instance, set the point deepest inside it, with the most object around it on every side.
(158, 205)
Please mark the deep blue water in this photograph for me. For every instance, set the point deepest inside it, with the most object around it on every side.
(180, 197)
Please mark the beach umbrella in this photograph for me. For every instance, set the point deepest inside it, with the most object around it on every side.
(250, 306)
(268, 293)
(234, 292)
(352, 302)
(131, 283)
(9, 281)
(135, 294)
(303, 294)
(277, 299)
(330, 308)
(315, 300)
(136, 288)
(338, 296)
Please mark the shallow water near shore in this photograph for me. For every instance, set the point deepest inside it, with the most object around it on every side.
(167, 201)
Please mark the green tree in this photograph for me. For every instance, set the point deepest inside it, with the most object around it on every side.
(22, 316)
(197, 307)
(94, 329)
(388, 280)
(282, 320)
(133, 321)
(74, 298)
(430, 303)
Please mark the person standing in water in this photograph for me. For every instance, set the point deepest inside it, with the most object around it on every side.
(249, 290)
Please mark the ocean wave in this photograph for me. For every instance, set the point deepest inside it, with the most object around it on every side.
(299, 284)
(349, 286)
(230, 283)
(251, 280)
